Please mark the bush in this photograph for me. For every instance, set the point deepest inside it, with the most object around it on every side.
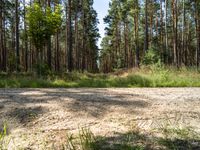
(42, 69)
(151, 57)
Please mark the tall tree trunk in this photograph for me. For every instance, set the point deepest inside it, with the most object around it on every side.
(76, 37)
(1, 35)
(17, 36)
(175, 21)
(198, 53)
(183, 34)
(57, 52)
(49, 43)
(146, 42)
(70, 48)
(57, 46)
(125, 46)
(187, 44)
(117, 42)
(136, 29)
(4, 42)
(197, 24)
(166, 35)
(26, 38)
(66, 34)
(151, 30)
(83, 63)
(161, 31)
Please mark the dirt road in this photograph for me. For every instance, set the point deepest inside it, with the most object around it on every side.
(36, 117)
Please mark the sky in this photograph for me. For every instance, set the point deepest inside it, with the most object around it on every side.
(101, 6)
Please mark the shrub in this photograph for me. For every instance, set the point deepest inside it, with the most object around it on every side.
(151, 57)
(42, 69)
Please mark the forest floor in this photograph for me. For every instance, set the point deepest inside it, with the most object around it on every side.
(42, 118)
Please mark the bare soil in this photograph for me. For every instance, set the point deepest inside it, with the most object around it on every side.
(41, 118)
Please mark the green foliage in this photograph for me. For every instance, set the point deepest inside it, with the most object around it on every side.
(87, 139)
(42, 69)
(3, 134)
(179, 138)
(70, 145)
(42, 24)
(146, 77)
(151, 57)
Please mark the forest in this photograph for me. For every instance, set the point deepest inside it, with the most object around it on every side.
(150, 31)
(48, 35)
(61, 35)
(67, 85)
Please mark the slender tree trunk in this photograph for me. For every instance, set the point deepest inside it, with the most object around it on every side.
(125, 46)
(183, 34)
(57, 52)
(117, 42)
(1, 35)
(4, 42)
(49, 43)
(175, 21)
(161, 32)
(136, 29)
(66, 42)
(146, 45)
(156, 30)
(197, 24)
(57, 46)
(70, 48)
(166, 35)
(17, 36)
(26, 38)
(31, 56)
(77, 56)
(83, 63)
(187, 44)
(151, 30)
(31, 50)
(198, 53)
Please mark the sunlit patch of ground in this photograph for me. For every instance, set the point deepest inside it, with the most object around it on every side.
(40, 118)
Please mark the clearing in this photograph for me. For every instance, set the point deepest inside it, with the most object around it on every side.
(41, 118)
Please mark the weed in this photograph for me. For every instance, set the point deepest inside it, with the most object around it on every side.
(3, 141)
(87, 139)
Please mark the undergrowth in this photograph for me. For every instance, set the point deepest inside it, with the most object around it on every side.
(145, 77)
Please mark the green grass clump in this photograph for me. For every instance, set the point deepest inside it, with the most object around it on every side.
(3, 133)
(172, 139)
(180, 138)
(86, 140)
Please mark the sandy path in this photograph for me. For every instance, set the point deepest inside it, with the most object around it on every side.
(37, 117)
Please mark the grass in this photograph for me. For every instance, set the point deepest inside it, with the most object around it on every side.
(3, 133)
(86, 140)
(171, 139)
(145, 77)
(180, 139)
